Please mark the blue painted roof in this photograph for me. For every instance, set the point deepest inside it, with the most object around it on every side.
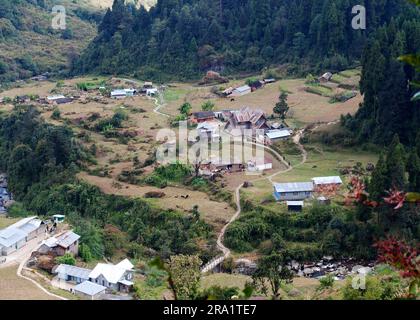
(89, 288)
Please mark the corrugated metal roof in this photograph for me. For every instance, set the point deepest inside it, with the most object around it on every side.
(327, 180)
(73, 271)
(89, 288)
(276, 134)
(112, 273)
(294, 187)
(23, 222)
(295, 203)
(67, 239)
(11, 236)
(118, 93)
(203, 114)
(126, 264)
(243, 88)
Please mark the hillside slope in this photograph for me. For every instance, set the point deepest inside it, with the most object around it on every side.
(185, 38)
(28, 43)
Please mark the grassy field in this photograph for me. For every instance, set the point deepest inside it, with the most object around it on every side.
(300, 289)
(14, 288)
(321, 162)
(305, 107)
(5, 222)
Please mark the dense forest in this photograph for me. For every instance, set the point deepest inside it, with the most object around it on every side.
(185, 37)
(41, 162)
(388, 108)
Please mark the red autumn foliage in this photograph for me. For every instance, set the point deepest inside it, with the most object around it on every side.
(395, 198)
(400, 255)
(358, 193)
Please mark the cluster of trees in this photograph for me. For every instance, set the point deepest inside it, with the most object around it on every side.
(184, 37)
(398, 169)
(388, 108)
(307, 236)
(41, 161)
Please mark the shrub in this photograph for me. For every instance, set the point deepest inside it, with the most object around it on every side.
(66, 259)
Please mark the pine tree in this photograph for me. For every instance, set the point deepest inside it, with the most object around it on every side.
(413, 169)
(379, 182)
(282, 107)
(395, 162)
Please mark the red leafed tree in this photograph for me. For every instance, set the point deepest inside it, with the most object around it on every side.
(403, 257)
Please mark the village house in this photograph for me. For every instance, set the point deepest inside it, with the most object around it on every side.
(293, 191)
(89, 291)
(114, 277)
(273, 136)
(202, 116)
(326, 77)
(123, 93)
(215, 165)
(241, 91)
(327, 183)
(258, 166)
(111, 277)
(72, 274)
(209, 130)
(22, 99)
(257, 84)
(270, 80)
(17, 235)
(246, 119)
(58, 218)
(63, 100)
(67, 242)
(295, 206)
(151, 92)
(148, 85)
(52, 99)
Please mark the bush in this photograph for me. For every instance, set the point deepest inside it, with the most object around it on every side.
(85, 253)
(56, 115)
(326, 282)
(66, 259)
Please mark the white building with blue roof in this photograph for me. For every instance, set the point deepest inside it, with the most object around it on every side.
(293, 191)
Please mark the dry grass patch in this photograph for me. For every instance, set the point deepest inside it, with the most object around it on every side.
(215, 213)
(14, 288)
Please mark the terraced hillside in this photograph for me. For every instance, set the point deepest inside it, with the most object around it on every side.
(30, 46)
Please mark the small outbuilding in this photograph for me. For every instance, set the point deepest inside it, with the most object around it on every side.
(58, 218)
(89, 291)
(241, 91)
(295, 206)
(277, 135)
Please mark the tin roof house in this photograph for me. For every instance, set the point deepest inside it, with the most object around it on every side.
(89, 291)
(73, 274)
(17, 235)
(293, 191)
(115, 277)
(241, 91)
(203, 116)
(67, 242)
(246, 120)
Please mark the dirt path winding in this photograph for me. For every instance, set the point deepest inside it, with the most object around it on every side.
(226, 252)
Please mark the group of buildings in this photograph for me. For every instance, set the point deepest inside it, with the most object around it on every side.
(18, 234)
(247, 122)
(232, 92)
(148, 89)
(92, 284)
(251, 124)
(294, 193)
